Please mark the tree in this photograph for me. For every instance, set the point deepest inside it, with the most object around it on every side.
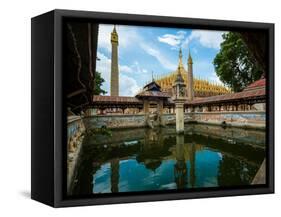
(235, 64)
(98, 83)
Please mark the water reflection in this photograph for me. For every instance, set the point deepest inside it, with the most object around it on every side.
(114, 175)
(146, 159)
(180, 166)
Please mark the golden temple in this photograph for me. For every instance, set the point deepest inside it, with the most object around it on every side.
(201, 87)
(195, 88)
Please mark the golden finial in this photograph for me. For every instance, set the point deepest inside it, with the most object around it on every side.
(180, 53)
(114, 29)
(180, 66)
(114, 35)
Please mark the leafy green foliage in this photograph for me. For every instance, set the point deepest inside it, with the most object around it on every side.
(98, 83)
(234, 64)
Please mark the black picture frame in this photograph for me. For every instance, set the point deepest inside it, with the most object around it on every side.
(48, 132)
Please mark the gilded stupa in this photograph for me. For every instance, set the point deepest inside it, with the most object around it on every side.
(201, 87)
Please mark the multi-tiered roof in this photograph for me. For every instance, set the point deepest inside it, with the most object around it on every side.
(201, 87)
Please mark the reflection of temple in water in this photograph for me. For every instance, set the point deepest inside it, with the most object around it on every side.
(185, 152)
(153, 148)
(180, 166)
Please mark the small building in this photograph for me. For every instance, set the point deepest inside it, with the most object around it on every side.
(153, 101)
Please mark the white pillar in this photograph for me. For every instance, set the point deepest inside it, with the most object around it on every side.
(179, 117)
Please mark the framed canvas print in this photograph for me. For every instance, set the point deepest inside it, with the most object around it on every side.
(131, 108)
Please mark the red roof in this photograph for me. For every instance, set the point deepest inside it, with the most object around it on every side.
(253, 91)
(115, 99)
(244, 95)
(257, 84)
(156, 94)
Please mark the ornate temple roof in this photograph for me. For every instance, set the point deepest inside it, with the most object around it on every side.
(202, 88)
(152, 86)
(152, 90)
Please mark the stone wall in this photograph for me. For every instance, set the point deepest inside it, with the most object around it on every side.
(229, 134)
(115, 121)
(171, 118)
(246, 119)
(75, 129)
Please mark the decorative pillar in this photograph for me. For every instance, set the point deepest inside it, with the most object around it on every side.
(179, 99)
(114, 82)
(179, 117)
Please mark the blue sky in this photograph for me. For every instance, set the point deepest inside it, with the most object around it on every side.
(146, 49)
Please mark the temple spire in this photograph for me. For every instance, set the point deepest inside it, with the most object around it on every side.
(189, 58)
(180, 66)
(114, 79)
(114, 35)
(180, 54)
(190, 87)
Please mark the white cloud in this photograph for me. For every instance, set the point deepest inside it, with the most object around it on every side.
(165, 62)
(137, 67)
(182, 33)
(185, 43)
(104, 66)
(104, 36)
(144, 71)
(127, 85)
(215, 78)
(127, 35)
(172, 40)
(204, 69)
(207, 38)
(125, 68)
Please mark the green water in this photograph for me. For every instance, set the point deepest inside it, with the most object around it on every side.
(134, 160)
